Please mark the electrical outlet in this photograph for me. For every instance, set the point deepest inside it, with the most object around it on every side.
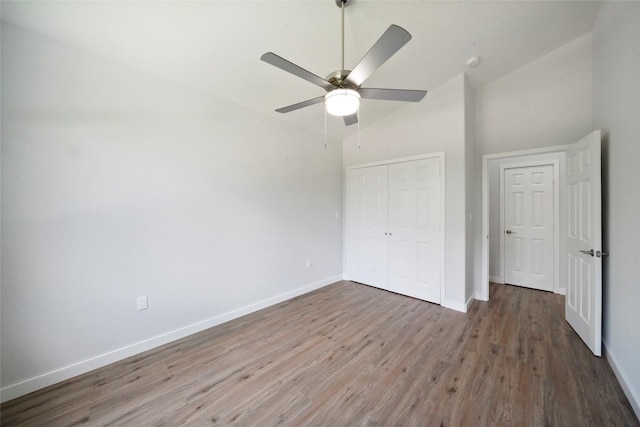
(142, 303)
(308, 263)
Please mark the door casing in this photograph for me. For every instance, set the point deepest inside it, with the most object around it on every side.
(482, 284)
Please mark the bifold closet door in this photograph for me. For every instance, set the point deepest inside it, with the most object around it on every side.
(368, 222)
(395, 233)
(415, 229)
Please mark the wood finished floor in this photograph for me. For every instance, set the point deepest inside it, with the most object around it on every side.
(352, 355)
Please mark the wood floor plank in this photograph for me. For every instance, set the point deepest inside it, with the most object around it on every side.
(353, 355)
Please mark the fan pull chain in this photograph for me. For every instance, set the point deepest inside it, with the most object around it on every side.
(358, 114)
(325, 128)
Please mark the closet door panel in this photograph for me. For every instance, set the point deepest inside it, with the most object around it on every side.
(368, 224)
(415, 229)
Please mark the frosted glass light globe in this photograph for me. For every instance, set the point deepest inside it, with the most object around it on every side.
(342, 102)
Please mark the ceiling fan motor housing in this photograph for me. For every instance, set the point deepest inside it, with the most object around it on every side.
(339, 79)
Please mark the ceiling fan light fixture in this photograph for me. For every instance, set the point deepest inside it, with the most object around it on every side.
(344, 87)
(342, 102)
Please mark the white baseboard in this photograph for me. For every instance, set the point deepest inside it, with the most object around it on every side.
(480, 296)
(469, 302)
(32, 384)
(632, 395)
(456, 305)
(496, 279)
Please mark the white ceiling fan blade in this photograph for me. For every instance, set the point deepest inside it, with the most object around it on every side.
(393, 94)
(300, 105)
(387, 45)
(290, 67)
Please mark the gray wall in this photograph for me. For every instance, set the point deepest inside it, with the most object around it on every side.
(616, 105)
(544, 103)
(472, 218)
(117, 184)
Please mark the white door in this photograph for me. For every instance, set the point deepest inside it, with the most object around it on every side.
(368, 225)
(583, 302)
(529, 227)
(415, 229)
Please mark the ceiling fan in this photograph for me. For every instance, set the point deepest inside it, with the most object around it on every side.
(343, 87)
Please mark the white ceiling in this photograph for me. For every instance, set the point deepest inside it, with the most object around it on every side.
(215, 46)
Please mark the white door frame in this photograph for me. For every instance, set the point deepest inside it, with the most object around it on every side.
(440, 155)
(556, 215)
(482, 292)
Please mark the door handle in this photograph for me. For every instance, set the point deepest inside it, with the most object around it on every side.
(588, 252)
(598, 253)
(509, 232)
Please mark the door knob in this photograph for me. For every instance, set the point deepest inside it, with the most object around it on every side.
(509, 232)
(588, 252)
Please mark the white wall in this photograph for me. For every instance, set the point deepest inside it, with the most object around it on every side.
(435, 124)
(470, 190)
(616, 104)
(117, 184)
(544, 103)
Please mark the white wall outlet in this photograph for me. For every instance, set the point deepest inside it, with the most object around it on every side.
(308, 263)
(142, 303)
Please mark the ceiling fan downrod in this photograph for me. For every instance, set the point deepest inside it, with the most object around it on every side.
(338, 77)
(342, 2)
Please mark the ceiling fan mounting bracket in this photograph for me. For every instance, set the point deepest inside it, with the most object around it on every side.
(339, 3)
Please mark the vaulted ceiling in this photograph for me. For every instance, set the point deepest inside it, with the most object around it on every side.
(214, 46)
